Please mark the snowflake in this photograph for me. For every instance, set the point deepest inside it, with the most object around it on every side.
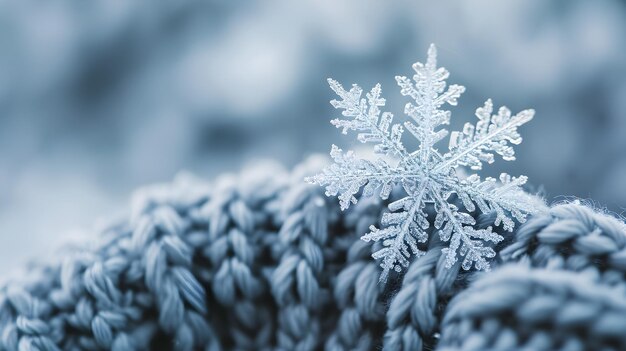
(426, 175)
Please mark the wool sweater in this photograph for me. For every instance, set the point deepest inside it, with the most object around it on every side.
(260, 260)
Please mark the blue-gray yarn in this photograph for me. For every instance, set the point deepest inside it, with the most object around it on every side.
(523, 308)
(566, 292)
(262, 261)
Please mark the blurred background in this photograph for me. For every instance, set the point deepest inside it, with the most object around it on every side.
(98, 98)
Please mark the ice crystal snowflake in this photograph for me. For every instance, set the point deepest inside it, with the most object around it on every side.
(427, 176)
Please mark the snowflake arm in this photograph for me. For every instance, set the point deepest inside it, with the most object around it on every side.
(464, 239)
(405, 227)
(493, 133)
(428, 95)
(506, 196)
(349, 174)
(364, 115)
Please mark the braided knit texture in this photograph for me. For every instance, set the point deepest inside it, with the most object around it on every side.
(262, 261)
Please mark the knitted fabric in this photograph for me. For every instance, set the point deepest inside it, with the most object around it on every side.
(263, 261)
(568, 292)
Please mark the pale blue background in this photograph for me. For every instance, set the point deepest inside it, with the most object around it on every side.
(100, 97)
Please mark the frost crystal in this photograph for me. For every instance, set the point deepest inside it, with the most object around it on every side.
(427, 176)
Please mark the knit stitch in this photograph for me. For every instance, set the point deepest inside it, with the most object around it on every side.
(519, 308)
(567, 292)
(263, 261)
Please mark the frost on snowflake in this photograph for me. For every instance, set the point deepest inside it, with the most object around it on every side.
(427, 176)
